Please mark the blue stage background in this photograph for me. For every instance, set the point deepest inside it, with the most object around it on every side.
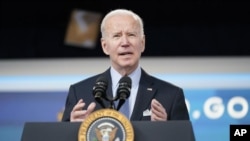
(214, 101)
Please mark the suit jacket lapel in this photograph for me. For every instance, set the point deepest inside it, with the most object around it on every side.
(146, 92)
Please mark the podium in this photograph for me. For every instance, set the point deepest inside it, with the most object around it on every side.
(178, 130)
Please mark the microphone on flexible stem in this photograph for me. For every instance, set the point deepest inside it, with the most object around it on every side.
(99, 90)
(123, 90)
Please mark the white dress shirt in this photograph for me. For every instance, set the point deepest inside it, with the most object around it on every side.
(135, 78)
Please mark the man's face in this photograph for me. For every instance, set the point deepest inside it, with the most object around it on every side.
(123, 42)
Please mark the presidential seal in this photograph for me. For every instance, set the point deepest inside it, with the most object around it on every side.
(106, 125)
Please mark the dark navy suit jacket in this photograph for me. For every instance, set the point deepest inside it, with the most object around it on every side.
(169, 95)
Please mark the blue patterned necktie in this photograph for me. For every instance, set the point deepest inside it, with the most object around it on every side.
(125, 108)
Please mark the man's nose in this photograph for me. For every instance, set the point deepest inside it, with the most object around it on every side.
(124, 40)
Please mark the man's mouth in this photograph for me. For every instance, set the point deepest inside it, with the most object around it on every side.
(125, 53)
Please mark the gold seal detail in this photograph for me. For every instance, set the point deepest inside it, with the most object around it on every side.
(106, 125)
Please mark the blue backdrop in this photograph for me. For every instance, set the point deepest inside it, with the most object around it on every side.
(214, 102)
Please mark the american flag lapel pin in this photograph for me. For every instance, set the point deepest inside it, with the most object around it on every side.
(149, 89)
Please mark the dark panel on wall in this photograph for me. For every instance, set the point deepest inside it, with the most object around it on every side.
(173, 28)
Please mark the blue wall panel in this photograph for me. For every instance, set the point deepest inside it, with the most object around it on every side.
(212, 108)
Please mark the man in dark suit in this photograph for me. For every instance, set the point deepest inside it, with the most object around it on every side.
(123, 40)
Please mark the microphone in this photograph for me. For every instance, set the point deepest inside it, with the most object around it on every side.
(99, 90)
(123, 90)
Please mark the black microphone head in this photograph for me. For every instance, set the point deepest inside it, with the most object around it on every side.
(124, 88)
(126, 81)
(102, 80)
(100, 87)
(99, 90)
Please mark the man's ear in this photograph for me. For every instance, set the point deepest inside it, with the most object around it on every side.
(104, 46)
(143, 44)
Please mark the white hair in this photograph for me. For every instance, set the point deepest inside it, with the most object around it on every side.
(122, 12)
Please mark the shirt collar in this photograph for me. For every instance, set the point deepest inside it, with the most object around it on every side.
(135, 76)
